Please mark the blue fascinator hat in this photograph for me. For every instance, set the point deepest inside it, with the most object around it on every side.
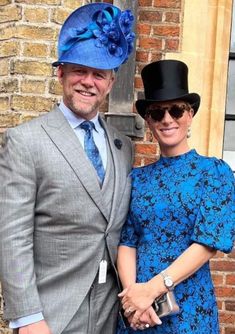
(96, 35)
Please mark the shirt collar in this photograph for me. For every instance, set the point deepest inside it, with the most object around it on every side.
(74, 120)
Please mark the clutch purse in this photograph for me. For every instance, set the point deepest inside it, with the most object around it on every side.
(166, 305)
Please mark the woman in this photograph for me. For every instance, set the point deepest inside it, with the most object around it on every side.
(181, 213)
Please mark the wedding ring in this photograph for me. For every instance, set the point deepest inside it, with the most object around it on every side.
(147, 325)
(129, 310)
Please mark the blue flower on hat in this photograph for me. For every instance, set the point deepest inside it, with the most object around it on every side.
(126, 22)
(107, 34)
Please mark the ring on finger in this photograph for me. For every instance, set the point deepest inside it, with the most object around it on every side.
(129, 310)
(147, 325)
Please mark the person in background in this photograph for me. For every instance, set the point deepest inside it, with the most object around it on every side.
(65, 189)
(182, 211)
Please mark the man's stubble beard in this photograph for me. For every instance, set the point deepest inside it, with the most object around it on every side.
(84, 110)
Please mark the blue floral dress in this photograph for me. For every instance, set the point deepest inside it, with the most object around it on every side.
(175, 202)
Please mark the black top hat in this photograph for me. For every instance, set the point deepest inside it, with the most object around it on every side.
(166, 80)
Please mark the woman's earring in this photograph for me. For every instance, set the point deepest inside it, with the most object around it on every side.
(189, 133)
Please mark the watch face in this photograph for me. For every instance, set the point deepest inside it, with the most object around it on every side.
(168, 282)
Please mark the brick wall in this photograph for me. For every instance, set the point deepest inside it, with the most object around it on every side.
(28, 87)
(28, 34)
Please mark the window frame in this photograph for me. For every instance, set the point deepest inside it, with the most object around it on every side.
(230, 117)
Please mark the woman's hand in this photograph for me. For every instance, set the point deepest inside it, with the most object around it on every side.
(136, 299)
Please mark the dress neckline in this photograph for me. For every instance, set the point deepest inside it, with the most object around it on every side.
(178, 158)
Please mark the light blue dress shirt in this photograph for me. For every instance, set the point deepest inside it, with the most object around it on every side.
(100, 141)
(98, 135)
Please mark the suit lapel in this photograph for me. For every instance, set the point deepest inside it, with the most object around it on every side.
(66, 141)
(119, 175)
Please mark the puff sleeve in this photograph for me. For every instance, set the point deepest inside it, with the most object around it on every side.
(215, 221)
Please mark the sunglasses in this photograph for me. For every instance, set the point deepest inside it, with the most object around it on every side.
(157, 114)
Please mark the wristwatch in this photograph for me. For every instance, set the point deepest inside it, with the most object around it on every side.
(169, 284)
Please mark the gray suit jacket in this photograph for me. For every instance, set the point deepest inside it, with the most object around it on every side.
(54, 225)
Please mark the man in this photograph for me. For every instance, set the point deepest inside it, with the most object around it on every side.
(65, 190)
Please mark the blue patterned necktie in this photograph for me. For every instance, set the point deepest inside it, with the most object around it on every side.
(92, 150)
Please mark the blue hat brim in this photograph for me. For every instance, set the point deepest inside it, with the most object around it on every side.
(100, 58)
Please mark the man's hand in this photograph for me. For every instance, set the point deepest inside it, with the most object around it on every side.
(148, 319)
(39, 327)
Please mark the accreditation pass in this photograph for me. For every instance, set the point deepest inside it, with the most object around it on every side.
(102, 272)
